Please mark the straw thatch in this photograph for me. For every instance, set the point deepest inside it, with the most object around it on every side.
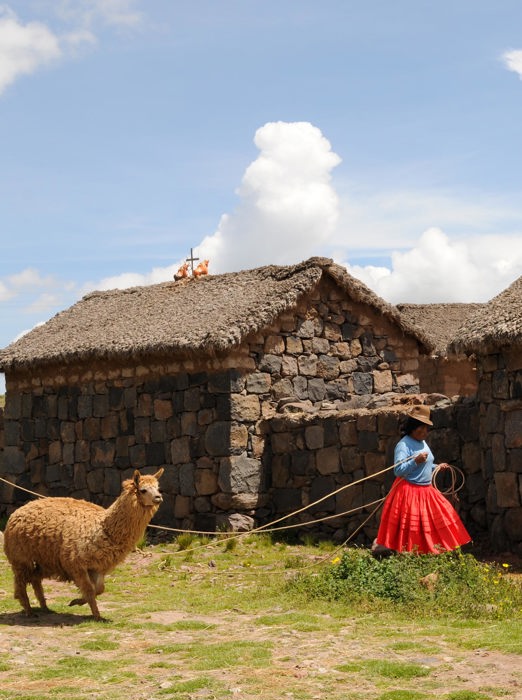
(204, 316)
(440, 322)
(496, 325)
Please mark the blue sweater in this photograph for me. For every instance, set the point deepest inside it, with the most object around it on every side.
(415, 473)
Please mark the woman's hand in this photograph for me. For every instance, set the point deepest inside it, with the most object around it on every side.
(420, 458)
(443, 465)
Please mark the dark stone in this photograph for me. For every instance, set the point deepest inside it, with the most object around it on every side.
(158, 431)
(316, 389)
(331, 433)
(348, 331)
(240, 474)
(100, 405)
(287, 500)
(362, 382)
(514, 460)
(116, 398)
(192, 399)
(84, 406)
(302, 463)
(367, 345)
(39, 407)
(368, 441)
(217, 438)
(337, 390)
(197, 379)
(137, 456)
(13, 406)
(12, 461)
(52, 429)
(186, 480)
(12, 431)
(142, 429)
(516, 386)
(229, 382)
(155, 454)
(270, 363)
(321, 486)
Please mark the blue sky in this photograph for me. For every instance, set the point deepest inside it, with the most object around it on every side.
(383, 134)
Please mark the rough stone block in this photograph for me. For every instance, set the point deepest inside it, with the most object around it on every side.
(322, 486)
(307, 365)
(513, 429)
(328, 367)
(305, 328)
(103, 453)
(289, 366)
(382, 381)
(206, 482)
(259, 383)
(362, 383)
(348, 432)
(327, 460)
(316, 389)
(513, 524)
(12, 461)
(270, 364)
(506, 484)
(186, 480)
(314, 437)
(299, 387)
(274, 345)
(244, 408)
(240, 474)
(294, 346)
(180, 450)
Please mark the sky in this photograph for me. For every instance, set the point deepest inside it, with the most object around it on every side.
(385, 135)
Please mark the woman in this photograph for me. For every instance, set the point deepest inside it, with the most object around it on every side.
(416, 516)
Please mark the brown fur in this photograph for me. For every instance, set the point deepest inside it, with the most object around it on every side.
(73, 540)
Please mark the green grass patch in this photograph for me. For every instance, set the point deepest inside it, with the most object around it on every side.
(100, 644)
(206, 657)
(448, 584)
(82, 667)
(385, 669)
(402, 695)
(187, 688)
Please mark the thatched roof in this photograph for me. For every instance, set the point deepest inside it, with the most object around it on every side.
(206, 316)
(497, 324)
(440, 322)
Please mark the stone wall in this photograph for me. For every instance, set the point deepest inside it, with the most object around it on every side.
(450, 375)
(78, 430)
(500, 407)
(312, 456)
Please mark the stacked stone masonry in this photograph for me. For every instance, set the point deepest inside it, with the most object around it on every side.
(213, 423)
(500, 411)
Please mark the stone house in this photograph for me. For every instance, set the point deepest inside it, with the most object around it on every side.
(444, 371)
(188, 375)
(494, 335)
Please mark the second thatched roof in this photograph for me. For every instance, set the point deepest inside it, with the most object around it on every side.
(496, 325)
(204, 316)
(440, 322)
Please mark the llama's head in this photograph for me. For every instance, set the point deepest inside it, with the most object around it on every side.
(147, 489)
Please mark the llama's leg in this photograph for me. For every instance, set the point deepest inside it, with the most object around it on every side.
(88, 591)
(97, 581)
(20, 590)
(36, 583)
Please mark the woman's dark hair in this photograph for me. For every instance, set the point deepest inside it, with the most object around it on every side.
(409, 424)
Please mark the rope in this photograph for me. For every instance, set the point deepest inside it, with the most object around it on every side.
(455, 486)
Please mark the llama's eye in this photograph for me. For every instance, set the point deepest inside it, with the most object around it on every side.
(143, 490)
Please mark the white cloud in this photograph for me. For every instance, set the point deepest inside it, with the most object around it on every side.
(438, 269)
(24, 48)
(513, 61)
(288, 208)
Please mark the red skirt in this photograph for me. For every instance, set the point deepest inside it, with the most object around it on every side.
(420, 519)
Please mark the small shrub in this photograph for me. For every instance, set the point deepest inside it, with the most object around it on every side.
(460, 585)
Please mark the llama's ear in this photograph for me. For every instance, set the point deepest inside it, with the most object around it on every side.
(159, 473)
(136, 478)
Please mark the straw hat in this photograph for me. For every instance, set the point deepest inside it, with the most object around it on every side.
(420, 413)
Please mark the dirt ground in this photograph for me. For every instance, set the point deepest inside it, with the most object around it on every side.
(304, 663)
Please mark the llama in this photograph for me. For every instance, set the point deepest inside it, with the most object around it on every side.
(201, 269)
(74, 540)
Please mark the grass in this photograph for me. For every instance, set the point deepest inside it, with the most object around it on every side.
(200, 618)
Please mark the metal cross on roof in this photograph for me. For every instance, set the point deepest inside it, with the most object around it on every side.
(191, 260)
